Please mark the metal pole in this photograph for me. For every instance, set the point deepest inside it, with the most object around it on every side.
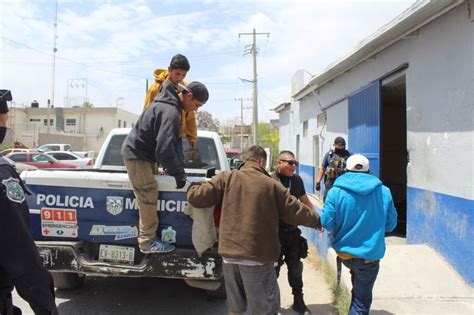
(255, 99)
(241, 125)
(255, 89)
(54, 63)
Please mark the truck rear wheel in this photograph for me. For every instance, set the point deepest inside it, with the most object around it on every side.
(68, 280)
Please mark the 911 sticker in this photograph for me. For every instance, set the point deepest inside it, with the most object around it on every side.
(59, 222)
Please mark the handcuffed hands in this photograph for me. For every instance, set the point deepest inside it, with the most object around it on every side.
(180, 180)
(318, 186)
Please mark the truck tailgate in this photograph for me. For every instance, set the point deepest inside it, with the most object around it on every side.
(100, 207)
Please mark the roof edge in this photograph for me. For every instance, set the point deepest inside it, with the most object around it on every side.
(419, 14)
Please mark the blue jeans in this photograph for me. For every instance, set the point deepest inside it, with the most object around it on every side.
(363, 276)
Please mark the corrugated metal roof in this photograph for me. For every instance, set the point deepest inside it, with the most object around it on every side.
(418, 15)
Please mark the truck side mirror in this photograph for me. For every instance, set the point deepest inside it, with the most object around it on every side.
(211, 172)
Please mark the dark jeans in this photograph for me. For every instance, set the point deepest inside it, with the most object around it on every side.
(363, 276)
(291, 254)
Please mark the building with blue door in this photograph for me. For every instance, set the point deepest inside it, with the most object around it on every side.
(404, 98)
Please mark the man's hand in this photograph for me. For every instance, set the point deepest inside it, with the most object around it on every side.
(318, 186)
(180, 180)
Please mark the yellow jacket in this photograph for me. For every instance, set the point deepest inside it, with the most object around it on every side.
(188, 120)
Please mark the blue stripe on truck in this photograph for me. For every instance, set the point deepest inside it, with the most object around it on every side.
(91, 204)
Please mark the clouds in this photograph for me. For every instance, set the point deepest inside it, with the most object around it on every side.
(117, 44)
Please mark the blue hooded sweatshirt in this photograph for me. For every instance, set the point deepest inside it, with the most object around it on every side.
(359, 210)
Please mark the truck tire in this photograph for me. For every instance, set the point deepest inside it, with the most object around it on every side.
(68, 280)
(219, 293)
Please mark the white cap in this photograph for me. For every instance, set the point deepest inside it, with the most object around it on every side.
(357, 163)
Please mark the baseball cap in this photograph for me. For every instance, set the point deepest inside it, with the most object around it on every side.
(357, 163)
(199, 91)
(340, 140)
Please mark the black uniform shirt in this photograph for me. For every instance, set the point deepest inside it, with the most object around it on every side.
(294, 184)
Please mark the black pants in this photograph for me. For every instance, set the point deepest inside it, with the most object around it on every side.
(291, 254)
(20, 264)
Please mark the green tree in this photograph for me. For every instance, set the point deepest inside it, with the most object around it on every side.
(87, 104)
(268, 137)
(206, 121)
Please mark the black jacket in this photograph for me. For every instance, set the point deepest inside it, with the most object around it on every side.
(156, 134)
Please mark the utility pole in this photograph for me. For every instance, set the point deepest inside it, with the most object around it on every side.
(253, 50)
(242, 121)
(55, 31)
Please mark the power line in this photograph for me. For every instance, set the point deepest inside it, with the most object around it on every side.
(71, 60)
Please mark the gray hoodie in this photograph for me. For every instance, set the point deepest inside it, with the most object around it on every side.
(156, 133)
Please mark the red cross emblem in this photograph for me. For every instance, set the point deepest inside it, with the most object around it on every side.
(46, 231)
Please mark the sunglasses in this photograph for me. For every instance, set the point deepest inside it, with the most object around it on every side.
(184, 88)
(291, 162)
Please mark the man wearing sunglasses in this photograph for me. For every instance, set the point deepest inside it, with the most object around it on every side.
(334, 165)
(252, 206)
(155, 138)
(294, 247)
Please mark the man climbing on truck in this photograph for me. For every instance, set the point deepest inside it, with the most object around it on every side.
(177, 70)
(155, 139)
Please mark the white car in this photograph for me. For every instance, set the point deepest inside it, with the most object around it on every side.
(71, 158)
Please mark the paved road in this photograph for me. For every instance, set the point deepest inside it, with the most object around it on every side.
(137, 296)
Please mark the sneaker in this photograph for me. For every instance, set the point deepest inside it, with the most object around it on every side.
(158, 247)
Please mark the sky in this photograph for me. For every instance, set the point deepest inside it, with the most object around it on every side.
(106, 50)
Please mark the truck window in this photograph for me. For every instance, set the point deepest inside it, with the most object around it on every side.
(205, 157)
(113, 155)
(67, 147)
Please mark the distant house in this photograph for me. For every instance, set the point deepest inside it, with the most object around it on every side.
(404, 98)
(85, 128)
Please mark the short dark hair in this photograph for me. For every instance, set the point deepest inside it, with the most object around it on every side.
(180, 62)
(255, 153)
(285, 152)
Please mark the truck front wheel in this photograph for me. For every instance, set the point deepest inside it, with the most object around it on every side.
(68, 280)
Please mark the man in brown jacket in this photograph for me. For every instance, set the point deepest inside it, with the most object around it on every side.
(252, 205)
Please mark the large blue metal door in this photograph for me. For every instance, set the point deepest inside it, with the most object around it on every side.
(364, 125)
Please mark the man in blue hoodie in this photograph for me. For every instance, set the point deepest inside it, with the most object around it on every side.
(358, 211)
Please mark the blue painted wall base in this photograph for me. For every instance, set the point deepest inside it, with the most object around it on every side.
(445, 223)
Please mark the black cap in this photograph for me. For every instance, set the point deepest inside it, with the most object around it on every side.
(5, 95)
(340, 140)
(199, 91)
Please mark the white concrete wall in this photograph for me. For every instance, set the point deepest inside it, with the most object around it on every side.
(440, 102)
(95, 123)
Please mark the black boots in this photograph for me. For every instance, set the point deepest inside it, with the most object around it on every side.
(299, 306)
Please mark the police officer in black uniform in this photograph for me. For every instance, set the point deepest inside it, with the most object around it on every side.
(20, 264)
(293, 245)
(334, 165)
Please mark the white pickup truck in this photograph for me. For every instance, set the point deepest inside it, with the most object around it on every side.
(85, 221)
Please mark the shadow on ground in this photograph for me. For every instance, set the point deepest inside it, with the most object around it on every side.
(327, 309)
(137, 296)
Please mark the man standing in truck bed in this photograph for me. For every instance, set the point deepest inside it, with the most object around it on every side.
(155, 139)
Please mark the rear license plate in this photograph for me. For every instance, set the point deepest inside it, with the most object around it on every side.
(118, 254)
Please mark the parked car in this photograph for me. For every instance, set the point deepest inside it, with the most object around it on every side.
(7, 151)
(38, 159)
(65, 147)
(19, 167)
(235, 158)
(71, 158)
